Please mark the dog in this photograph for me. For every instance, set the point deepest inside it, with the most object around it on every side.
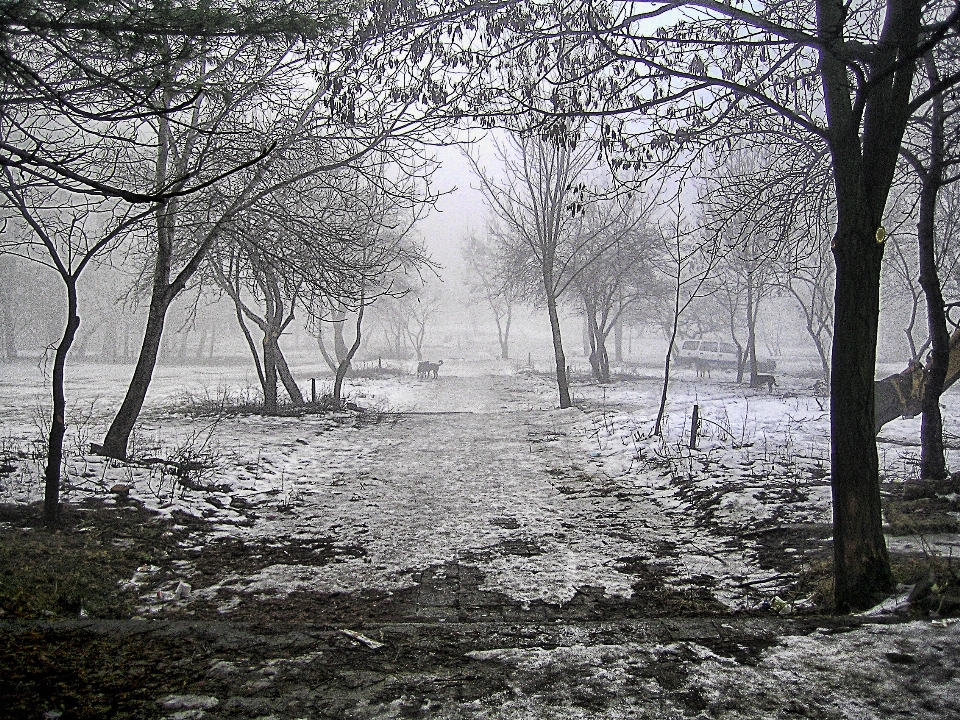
(768, 380)
(703, 368)
(424, 369)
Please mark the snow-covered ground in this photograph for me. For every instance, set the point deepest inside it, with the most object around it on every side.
(478, 468)
(455, 467)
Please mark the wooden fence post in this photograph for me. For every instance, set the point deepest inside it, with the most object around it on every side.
(694, 427)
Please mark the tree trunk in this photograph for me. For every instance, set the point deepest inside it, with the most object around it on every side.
(751, 333)
(118, 435)
(618, 342)
(269, 372)
(286, 377)
(339, 344)
(933, 464)
(58, 425)
(248, 337)
(505, 335)
(603, 358)
(563, 383)
(861, 563)
(348, 357)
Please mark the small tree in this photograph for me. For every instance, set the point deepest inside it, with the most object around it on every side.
(495, 282)
(616, 276)
(66, 234)
(541, 201)
(689, 259)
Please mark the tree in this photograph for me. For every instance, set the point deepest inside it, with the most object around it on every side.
(810, 282)
(616, 276)
(689, 259)
(66, 234)
(738, 200)
(541, 201)
(936, 166)
(493, 280)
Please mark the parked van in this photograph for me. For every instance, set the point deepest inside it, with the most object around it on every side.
(712, 352)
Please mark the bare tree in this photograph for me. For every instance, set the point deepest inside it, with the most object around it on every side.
(617, 275)
(690, 258)
(541, 202)
(64, 233)
(495, 282)
(244, 272)
(734, 202)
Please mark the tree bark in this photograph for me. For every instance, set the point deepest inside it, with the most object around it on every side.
(58, 425)
(269, 372)
(118, 435)
(504, 334)
(563, 383)
(286, 377)
(933, 464)
(861, 563)
(618, 341)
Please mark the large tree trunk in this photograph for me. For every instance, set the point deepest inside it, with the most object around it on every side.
(866, 125)
(861, 563)
(269, 372)
(58, 425)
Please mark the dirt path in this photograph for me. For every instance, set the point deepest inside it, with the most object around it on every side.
(477, 502)
(464, 555)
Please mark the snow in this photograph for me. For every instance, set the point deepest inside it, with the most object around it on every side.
(479, 467)
(456, 467)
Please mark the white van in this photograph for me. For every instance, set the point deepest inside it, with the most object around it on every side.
(711, 352)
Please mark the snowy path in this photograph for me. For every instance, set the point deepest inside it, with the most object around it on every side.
(472, 476)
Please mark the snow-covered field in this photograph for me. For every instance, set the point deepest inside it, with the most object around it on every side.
(546, 507)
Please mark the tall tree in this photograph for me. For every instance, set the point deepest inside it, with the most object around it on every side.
(540, 201)
(935, 164)
(617, 275)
